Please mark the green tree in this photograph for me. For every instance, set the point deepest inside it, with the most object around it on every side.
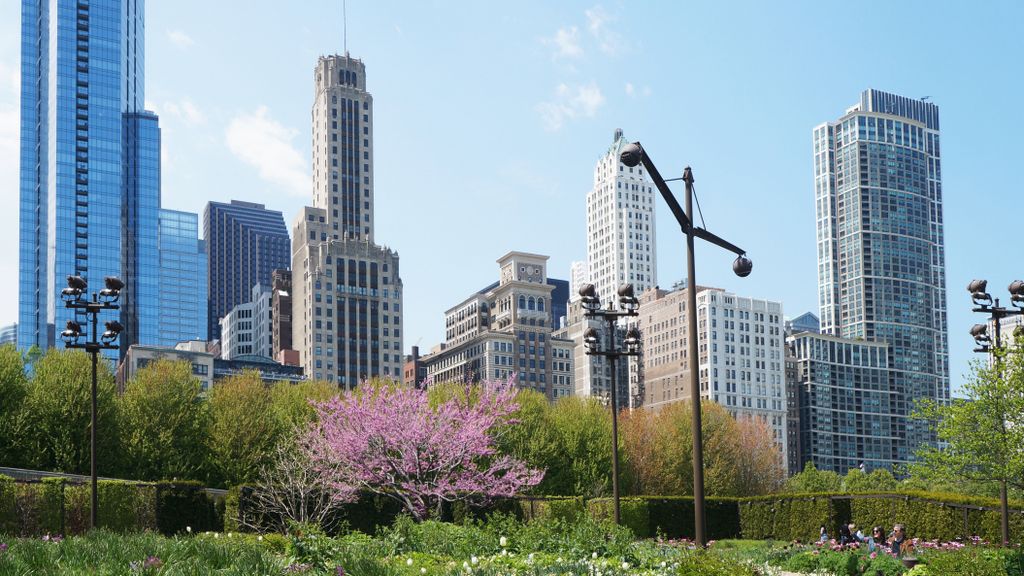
(290, 403)
(582, 430)
(13, 389)
(57, 414)
(982, 436)
(814, 480)
(879, 480)
(532, 439)
(164, 422)
(243, 429)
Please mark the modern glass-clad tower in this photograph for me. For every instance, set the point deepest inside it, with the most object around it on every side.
(82, 125)
(245, 243)
(183, 293)
(881, 257)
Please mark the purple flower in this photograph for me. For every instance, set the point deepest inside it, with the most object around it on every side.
(153, 562)
(339, 571)
(3, 548)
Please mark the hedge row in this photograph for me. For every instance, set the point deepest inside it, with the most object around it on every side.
(57, 506)
(927, 516)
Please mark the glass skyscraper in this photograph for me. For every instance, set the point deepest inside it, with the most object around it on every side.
(245, 243)
(183, 290)
(82, 211)
(881, 257)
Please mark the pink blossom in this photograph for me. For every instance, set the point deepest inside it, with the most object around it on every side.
(391, 441)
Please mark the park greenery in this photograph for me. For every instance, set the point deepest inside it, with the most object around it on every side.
(311, 468)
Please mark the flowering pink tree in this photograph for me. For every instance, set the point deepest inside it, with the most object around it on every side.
(390, 440)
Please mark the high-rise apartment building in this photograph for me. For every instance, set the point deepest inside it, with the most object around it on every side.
(881, 257)
(90, 172)
(507, 330)
(846, 407)
(579, 275)
(620, 226)
(346, 290)
(183, 297)
(9, 335)
(741, 353)
(245, 243)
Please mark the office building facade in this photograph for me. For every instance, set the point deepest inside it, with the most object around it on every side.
(506, 331)
(346, 289)
(620, 226)
(9, 335)
(741, 353)
(247, 329)
(182, 290)
(245, 243)
(881, 256)
(90, 174)
(281, 311)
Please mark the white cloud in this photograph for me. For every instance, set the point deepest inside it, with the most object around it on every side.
(260, 141)
(566, 43)
(180, 39)
(184, 110)
(609, 41)
(629, 89)
(581, 101)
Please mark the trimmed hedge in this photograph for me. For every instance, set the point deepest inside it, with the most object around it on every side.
(8, 505)
(634, 513)
(184, 504)
(672, 517)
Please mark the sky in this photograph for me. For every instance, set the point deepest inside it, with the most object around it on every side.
(489, 118)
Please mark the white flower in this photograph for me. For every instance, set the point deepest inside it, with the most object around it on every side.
(504, 552)
(216, 534)
(423, 570)
(188, 529)
(663, 564)
(594, 555)
(529, 558)
(260, 538)
(625, 565)
(503, 541)
(408, 562)
(465, 564)
(474, 559)
(559, 559)
(230, 534)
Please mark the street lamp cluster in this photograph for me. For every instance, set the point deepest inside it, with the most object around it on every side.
(985, 304)
(74, 297)
(628, 305)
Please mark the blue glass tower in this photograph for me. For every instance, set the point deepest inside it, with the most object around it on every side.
(881, 252)
(182, 278)
(245, 242)
(82, 123)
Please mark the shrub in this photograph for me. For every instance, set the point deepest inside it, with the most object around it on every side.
(8, 505)
(126, 506)
(185, 504)
(673, 517)
(967, 562)
(633, 513)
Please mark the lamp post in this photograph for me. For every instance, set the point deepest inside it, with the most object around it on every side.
(632, 155)
(985, 305)
(106, 299)
(592, 340)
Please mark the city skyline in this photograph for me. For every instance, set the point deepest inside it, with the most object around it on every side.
(546, 151)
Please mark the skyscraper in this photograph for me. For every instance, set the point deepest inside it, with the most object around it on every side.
(620, 226)
(346, 290)
(183, 290)
(245, 243)
(881, 257)
(89, 175)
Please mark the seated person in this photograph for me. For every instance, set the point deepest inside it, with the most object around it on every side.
(898, 541)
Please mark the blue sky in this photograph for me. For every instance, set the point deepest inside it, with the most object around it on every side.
(489, 118)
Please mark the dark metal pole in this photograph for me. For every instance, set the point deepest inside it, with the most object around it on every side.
(92, 428)
(1004, 505)
(615, 417)
(694, 365)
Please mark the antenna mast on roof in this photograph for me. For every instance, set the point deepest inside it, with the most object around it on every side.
(344, 25)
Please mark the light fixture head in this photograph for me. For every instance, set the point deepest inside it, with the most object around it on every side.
(591, 338)
(977, 286)
(589, 297)
(77, 282)
(632, 340)
(112, 292)
(114, 329)
(627, 297)
(631, 154)
(980, 333)
(76, 288)
(979, 294)
(72, 332)
(742, 266)
(1017, 293)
